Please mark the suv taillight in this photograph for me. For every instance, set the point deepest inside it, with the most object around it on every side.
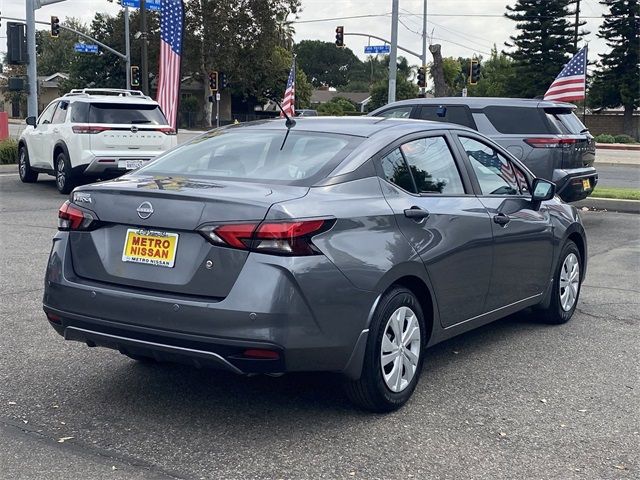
(71, 217)
(278, 238)
(551, 142)
(168, 131)
(89, 129)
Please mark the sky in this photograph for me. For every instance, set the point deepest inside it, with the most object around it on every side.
(455, 24)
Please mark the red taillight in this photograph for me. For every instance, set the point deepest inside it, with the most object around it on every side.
(280, 238)
(168, 131)
(89, 129)
(551, 142)
(260, 353)
(54, 318)
(71, 217)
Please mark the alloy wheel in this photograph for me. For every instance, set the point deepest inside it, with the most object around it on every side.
(22, 163)
(400, 349)
(60, 175)
(569, 281)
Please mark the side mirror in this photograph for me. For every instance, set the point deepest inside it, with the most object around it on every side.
(31, 121)
(542, 190)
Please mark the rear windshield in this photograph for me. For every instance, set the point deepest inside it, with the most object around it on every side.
(129, 114)
(520, 120)
(269, 156)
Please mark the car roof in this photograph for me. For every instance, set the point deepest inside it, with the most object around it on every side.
(481, 102)
(355, 126)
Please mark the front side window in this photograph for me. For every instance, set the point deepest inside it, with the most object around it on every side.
(291, 158)
(127, 113)
(47, 115)
(495, 173)
(432, 166)
(398, 112)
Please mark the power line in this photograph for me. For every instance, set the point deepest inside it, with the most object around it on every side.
(342, 18)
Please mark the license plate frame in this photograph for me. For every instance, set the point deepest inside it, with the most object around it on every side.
(151, 247)
(131, 164)
(586, 184)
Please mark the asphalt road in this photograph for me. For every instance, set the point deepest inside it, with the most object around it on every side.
(515, 399)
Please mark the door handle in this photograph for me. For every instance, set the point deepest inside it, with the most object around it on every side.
(501, 219)
(416, 213)
(55, 130)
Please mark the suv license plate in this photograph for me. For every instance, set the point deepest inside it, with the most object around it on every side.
(150, 247)
(131, 164)
(586, 185)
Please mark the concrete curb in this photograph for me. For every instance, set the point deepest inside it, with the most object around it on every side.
(617, 146)
(11, 168)
(610, 204)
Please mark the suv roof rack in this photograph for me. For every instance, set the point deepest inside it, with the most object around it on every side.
(115, 92)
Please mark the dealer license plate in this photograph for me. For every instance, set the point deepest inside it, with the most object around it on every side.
(586, 185)
(131, 164)
(150, 247)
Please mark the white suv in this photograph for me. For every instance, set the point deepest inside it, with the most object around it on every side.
(98, 133)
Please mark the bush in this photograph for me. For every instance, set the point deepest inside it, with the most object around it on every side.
(8, 151)
(605, 138)
(624, 139)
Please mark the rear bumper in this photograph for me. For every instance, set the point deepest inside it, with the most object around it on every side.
(305, 311)
(110, 164)
(569, 183)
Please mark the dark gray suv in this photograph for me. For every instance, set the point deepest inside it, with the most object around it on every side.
(347, 245)
(546, 136)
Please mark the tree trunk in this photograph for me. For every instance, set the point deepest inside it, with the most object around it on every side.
(439, 85)
(208, 106)
(627, 122)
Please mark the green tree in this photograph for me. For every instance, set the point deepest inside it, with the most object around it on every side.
(617, 80)
(325, 64)
(379, 92)
(337, 106)
(56, 54)
(545, 42)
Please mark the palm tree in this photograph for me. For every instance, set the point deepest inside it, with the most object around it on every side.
(285, 30)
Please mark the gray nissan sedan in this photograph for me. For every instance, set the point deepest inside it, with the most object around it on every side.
(347, 245)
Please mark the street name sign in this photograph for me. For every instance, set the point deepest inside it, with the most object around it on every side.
(150, 4)
(374, 49)
(86, 48)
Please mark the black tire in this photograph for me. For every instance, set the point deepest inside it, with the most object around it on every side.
(371, 392)
(555, 313)
(65, 178)
(24, 166)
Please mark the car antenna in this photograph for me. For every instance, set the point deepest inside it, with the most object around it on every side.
(289, 123)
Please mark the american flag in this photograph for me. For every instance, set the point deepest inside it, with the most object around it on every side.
(171, 24)
(570, 84)
(288, 102)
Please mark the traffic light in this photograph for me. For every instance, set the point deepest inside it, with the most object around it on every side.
(135, 76)
(222, 78)
(474, 72)
(422, 76)
(340, 36)
(55, 27)
(213, 81)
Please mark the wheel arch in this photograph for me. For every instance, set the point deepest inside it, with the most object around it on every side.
(576, 234)
(60, 147)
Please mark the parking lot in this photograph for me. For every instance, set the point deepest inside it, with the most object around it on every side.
(515, 399)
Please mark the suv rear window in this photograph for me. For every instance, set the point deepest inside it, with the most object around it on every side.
(458, 114)
(129, 114)
(268, 156)
(520, 120)
(569, 122)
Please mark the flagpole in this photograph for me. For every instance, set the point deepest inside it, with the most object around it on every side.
(584, 102)
(295, 71)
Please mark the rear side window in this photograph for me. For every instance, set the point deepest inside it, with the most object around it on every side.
(80, 112)
(520, 120)
(458, 114)
(129, 114)
(293, 158)
(432, 166)
(396, 171)
(398, 112)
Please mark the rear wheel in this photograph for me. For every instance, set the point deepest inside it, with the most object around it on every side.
(65, 180)
(393, 358)
(566, 286)
(24, 167)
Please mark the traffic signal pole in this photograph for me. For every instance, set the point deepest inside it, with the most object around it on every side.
(393, 56)
(127, 47)
(424, 44)
(144, 84)
(32, 70)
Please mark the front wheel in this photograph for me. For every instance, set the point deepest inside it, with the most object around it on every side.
(27, 175)
(566, 286)
(65, 180)
(394, 354)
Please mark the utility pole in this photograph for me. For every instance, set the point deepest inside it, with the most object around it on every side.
(127, 47)
(393, 57)
(575, 34)
(32, 68)
(144, 84)
(424, 42)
